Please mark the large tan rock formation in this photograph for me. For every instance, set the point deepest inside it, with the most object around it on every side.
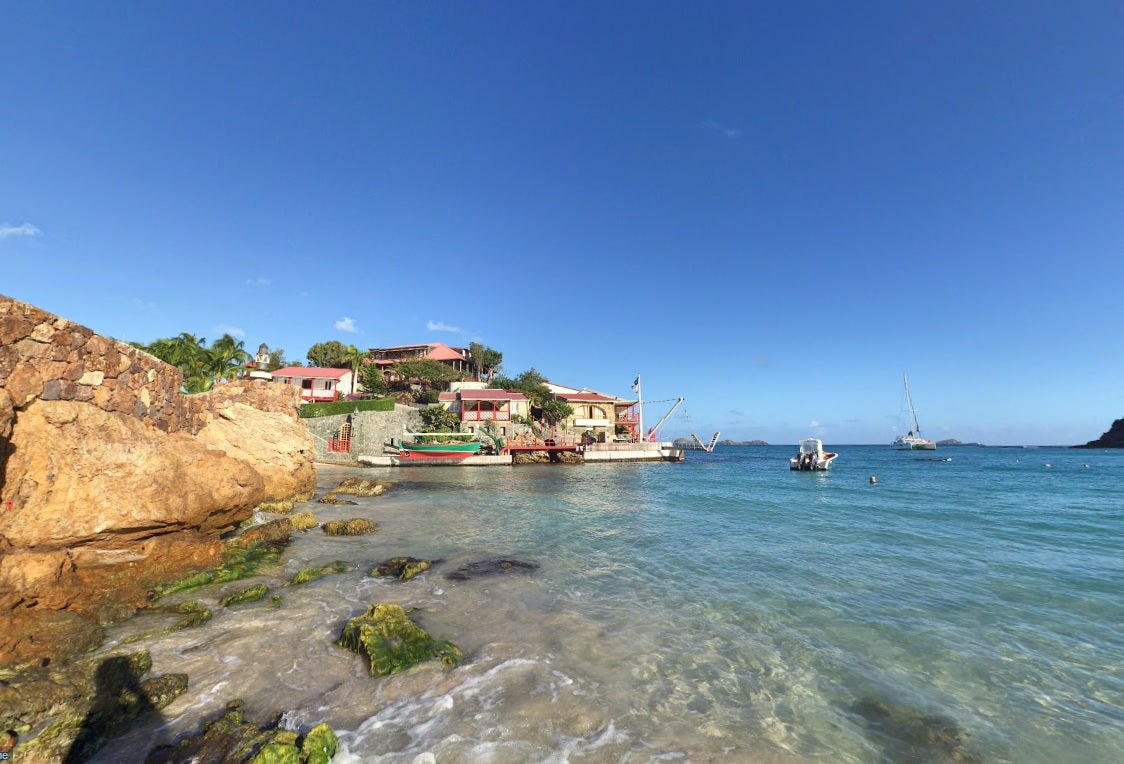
(112, 481)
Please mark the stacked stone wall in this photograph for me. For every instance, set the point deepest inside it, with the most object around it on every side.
(45, 357)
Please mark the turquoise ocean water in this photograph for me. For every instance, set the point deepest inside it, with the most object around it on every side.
(721, 609)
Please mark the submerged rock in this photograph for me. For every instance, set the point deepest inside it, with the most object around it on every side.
(361, 487)
(331, 498)
(492, 567)
(193, 614)
(312, 574)
(392, 642)
(356, 526)
(907, 733)
(231, 739)
(402, 568)
(252, 594)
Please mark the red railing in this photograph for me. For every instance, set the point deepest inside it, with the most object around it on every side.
(480, 416)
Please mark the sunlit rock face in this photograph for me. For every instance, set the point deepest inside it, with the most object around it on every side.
(112, 481)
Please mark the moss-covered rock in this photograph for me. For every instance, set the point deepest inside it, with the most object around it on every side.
(392, 642)
(402, 568)
(273, 532)
(356, 526)
(331, 498)
(277, 507)
(231, 739)
(320, 745)
(311, 574)
(355, 486)
(251, 594)
(303, 521)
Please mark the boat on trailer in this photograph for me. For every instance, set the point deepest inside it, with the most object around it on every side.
(811, 456)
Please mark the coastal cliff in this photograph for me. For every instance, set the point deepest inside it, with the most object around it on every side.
(1114, 438)
(112, 481)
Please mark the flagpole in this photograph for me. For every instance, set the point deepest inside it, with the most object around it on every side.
(640, 407)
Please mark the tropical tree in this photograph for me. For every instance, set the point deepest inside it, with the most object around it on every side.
(227, 357)
(329, 355)
(372, 380)
(486, 362)
(429, 374)
(531, 383)
(201, 366)
(276, 359)
(437, 419)
(555, 411)
(355, 358)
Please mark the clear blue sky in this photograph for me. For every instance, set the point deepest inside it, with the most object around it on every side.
(772, 209)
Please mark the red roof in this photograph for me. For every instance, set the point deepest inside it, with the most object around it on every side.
(311, 371)
(588, 397)
(441, 352)
(492, 395)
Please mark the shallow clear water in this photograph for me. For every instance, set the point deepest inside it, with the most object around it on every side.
(722, 609)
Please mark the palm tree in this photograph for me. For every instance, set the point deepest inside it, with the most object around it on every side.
(355, 357)
(227, 357)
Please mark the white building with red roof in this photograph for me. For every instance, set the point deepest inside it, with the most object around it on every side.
(317, 384)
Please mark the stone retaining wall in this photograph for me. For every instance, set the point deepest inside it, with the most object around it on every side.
(45, 357)
(370, 430)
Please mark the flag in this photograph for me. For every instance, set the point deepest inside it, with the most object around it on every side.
(636, 384)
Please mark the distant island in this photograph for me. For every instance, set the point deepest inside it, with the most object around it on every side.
(1114, 438)
(688, 443)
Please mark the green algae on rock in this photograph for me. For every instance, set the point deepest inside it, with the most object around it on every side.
(312, 574)
(402, 568)
(252, 594)
(238, 562)
(392, 642)
(355, 486)
(303, 521)
(356, 526)
(230, 738)
(331, 498)
(319, 745)
(277, 507)
(194, 614)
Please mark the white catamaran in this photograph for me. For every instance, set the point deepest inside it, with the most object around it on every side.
(913, 441)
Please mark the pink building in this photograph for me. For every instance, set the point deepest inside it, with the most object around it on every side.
(317, 384)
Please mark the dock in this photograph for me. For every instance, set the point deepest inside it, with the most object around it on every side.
(590, 453)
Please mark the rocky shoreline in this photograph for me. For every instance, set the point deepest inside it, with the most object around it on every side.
(112, 484)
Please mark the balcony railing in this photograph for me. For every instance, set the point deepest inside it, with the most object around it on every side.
(480, 416)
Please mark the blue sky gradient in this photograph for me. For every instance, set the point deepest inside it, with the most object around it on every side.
(773, 210)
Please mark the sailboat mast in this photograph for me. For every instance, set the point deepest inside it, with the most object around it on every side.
(912, 414)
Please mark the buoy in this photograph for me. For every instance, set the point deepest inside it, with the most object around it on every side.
(873, 480)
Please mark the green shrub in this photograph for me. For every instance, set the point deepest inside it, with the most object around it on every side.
(312, 410)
